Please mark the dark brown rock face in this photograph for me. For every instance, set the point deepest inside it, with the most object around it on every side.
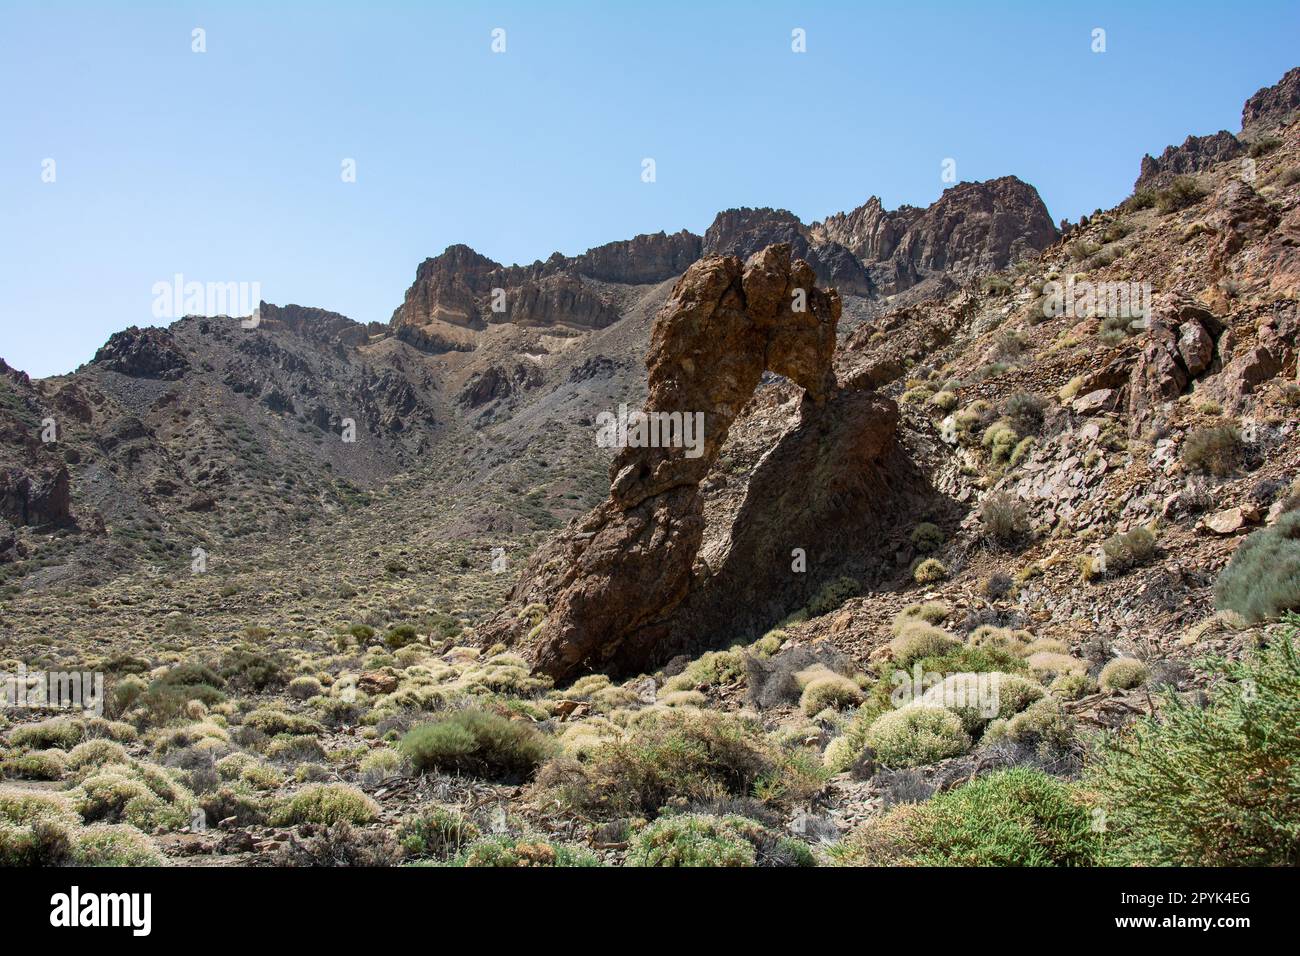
(972, 227)
(458, 289)
(647, 258)
(318, 324)
(1197, 153)
(870, 232)
(498, 381)
(40, 499)
(612, 581)
(143, 353)
(742, 232)
(1274, 105)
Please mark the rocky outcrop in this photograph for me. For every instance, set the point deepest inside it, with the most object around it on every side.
(1197, 153)
(462, 289)
(448, 288)
(318, 324)
(1273, 105)
(36, 499)
(1178, 346)
(870, 232)
(611, 582)
(647, 258)
(558, 299)
(143, 353)
(971, 228)
(1240, 216)
(496, 382)
(742, 232)
(1272, 352)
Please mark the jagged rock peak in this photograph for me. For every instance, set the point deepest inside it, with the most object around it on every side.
(744, 231)
(1274, 105)
(1196, 154)
(973, 227)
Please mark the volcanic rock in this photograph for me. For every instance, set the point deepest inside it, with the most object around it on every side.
(612, 581)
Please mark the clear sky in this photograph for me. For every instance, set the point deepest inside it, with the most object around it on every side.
(226, 166)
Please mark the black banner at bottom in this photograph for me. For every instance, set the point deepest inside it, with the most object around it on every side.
(337, 905)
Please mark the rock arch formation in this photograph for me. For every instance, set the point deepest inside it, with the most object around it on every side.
(611, 582)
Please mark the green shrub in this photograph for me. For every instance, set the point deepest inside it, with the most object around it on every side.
(1123, 673)
(108, 845)
(1000, 440)
(832, 595)
(20, 808)
(479, 743)
(1024, 412)
(1017, 817)
(96, 753)
(929, 571)
(436, 832)
(714, 669)
(945, 401)
(325, 803)
(927, 538)
(60, 732)
(304, 687)
(295, 749)
(516, 852)
(1184, 191)
(684, 755)
(272, 722)
(380, 763)
(140, 794)
(974, 660)
(1073, 686)
(828, 689)
(977, 698)
(916, 735)
(1262, 581)
(400, 636)
(43, 843)
(931, 612)
(252, 669)
(234, 801)
(1123, 552)
(1141, 199)
(1043, 723)
(702, 840)
(1214, 449)
(917, 640)
(35, 765)
(1005, 517)
(1044, 664)
(190, 675)
(692, 840)
(126, 693)
(1211, 786)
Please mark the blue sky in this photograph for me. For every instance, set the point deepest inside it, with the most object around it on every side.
(225, 166)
